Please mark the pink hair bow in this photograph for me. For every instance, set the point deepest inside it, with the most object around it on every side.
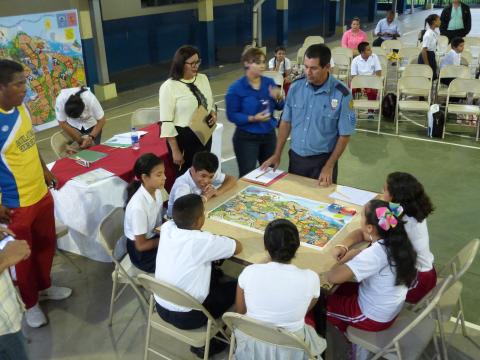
(388, 216)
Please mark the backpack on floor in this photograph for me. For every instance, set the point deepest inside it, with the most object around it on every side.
(436, 121)
(389, 103)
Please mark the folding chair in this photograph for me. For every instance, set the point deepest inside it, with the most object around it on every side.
(312, 40)
(412, 86)
(275, 76)
(265, 333)
(384, 64)
(111, 231)
(197, 337)
(409, 335)
(342, 67)
(342, 51)
(58, 143)
(377, 50)
(471, 41)
(421, 70)
(450, 72)
(370, 82)
(300, 55)
(62, 230)
(442, 45)
(406, 55)
(145, 116)
(390, 45)
(460, 88)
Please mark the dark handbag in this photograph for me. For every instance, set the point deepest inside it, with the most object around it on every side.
(389, 104)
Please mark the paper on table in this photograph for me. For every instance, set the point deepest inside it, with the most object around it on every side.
(89, 155)
(264, 177)
(93, 176)
(352, 195)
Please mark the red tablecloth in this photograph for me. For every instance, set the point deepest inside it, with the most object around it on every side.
(118, 161)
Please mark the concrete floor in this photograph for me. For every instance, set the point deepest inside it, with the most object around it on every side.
(78, 326)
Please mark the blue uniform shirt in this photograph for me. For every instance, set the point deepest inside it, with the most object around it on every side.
(319, 116)
(242, 101)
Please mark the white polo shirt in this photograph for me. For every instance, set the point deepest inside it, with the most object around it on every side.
(430, 39)
(360, 66)
(418, 235)
(284, 65)
(378, 296)
(279, 294)
(143, 213)
(184, 259)
(185, 185)
(451, 58)
(90, 116)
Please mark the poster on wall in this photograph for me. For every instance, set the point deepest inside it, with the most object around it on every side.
(50, 49)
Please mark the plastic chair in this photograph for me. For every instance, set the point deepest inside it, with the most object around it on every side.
(111, 231)
(418, 70)
(342, 51)
(461, 88)
(342, 67)
(370, 82)
(145, 116)
(312, 40)
(58, 143)
(197, 337)
(412, 86)
(390, 45)
(377, 50)
(409, 335)
(263, 332)
(450, 71)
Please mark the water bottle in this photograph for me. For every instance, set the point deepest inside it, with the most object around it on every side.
(265, 107)
(135, 139)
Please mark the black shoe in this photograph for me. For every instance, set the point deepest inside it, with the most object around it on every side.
(216, 347)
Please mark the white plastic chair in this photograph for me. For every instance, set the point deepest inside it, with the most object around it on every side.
(461, 88)
(449, 72)
(370, 82)
(197, 337)
(312, 40)
(412, 86)
(145, 116)
(111, 231)
(265, 333)
(408, 336)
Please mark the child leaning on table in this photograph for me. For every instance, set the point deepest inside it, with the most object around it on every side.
(203, 178)
(374, 281)
(184, 259)
(144, 211)
(279, 294)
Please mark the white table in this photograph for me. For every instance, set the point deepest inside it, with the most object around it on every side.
(82, 208)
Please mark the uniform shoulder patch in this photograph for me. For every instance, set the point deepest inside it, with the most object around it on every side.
(340, 87)
(299, 78)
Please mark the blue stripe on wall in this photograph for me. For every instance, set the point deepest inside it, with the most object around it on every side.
(89, 62)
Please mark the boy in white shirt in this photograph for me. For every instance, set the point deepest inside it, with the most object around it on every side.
(367, 63)
(453, 57)
(203, 178)
(184, 259)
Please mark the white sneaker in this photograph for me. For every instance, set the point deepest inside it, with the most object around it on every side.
(55, 293)
(35, 317)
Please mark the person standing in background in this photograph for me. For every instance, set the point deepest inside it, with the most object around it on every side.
(456, 20)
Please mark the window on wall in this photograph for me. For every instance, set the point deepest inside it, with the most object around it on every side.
(150, 3)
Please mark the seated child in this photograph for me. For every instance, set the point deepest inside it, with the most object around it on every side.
(184, 259)
(367, 63)
(280, 62)
(278, 293)
(453, 57)
(144, 211)
(383, 272)
(405, 189)
(202, 179)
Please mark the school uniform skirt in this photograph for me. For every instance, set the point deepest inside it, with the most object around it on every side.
(432, 60)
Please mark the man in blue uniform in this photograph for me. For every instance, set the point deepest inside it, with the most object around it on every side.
(319, 115)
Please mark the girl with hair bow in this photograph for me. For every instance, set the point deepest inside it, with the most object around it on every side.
(374, 281)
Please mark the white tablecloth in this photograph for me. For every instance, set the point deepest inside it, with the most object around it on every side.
(82, 208)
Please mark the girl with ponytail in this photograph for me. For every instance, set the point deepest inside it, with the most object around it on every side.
(429, 43)
(383, 272)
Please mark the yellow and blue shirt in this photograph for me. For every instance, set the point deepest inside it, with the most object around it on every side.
(22, 181)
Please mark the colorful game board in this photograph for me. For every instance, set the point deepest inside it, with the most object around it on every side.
(254, 207)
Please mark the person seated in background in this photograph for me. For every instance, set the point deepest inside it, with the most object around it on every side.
(386, 29)
(144, 211)
(453, 57)
(80, 116)
(351, 38)
(366, 63)
(281, 64)
(184, 260)
(278, 293)
(203, 178)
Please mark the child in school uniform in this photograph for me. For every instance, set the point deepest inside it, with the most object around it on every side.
(283, 65)
(278, 293)
(453, 57)
(184, 259)
(429, 43)
(144, 211)
(367, 63)
(406, 190)
(382, 272)
(203, 178)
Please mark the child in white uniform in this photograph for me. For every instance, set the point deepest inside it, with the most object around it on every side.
(429, 43)
(453, 57)
(279, 294)
(406, 190)
(144, 211)
(383, 272)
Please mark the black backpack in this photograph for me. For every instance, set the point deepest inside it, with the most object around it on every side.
(436, 131)
(389, 103)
